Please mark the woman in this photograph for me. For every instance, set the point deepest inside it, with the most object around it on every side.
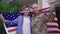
(23, 22)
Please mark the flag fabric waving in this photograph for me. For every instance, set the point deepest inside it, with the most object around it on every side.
(10, 16)
(52, 27)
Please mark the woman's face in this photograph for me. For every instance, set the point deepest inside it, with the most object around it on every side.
(26, 10)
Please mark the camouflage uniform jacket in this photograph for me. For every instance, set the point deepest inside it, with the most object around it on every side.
(39, 24)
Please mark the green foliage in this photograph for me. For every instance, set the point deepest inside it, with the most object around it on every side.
(1, 23)
(7, 8)
(13, 9)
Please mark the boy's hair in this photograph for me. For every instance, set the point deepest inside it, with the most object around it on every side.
(26, 6)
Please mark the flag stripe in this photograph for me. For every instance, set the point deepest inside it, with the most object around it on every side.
(12, 30)
(52, 26)
(53, 31)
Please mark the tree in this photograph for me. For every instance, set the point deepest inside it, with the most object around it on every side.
(21, 3)
(7, 8)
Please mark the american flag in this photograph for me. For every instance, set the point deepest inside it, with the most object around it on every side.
(52, 27)
(11, 16)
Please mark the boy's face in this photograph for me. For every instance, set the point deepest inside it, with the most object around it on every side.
(26, 10)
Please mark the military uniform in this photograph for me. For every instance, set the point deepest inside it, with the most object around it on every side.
(39, 25)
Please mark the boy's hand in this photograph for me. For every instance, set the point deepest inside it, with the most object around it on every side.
(2, 18)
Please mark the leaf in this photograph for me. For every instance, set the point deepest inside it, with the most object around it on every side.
(13, 9)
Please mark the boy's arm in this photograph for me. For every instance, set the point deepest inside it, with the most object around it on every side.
(9, 22)
(2, 18)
